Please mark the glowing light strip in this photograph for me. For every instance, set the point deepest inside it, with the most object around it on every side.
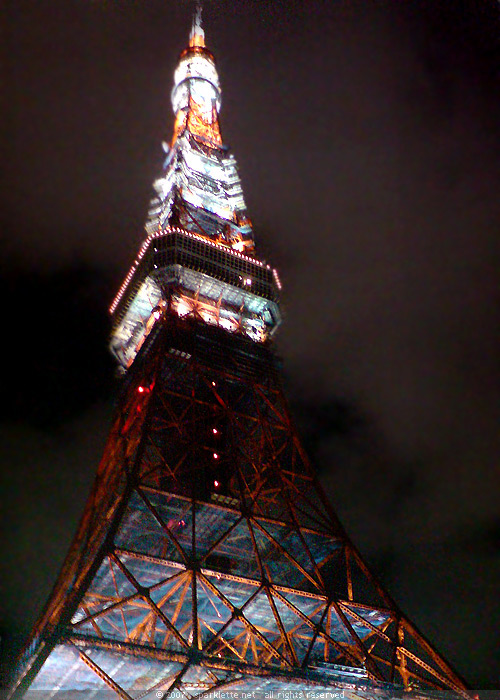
(174, 229)
(276, 278)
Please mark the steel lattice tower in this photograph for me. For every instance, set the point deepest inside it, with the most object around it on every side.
(208, 559)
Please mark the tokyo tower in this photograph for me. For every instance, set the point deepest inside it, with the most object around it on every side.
(208, 562)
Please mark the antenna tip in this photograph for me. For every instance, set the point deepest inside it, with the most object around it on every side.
(197, 37)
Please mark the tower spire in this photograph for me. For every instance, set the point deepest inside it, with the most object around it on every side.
(197, 37)
(196, 97)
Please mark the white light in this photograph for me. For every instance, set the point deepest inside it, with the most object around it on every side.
(228, 324)
(276, 278)
(182, 308)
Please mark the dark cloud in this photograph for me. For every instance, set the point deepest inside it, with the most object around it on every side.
(45, 480)
(58, 363)
(368, 137)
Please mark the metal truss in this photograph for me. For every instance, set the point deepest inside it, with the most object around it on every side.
(208, 556)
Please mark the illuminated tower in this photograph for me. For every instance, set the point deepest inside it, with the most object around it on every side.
(208, 558)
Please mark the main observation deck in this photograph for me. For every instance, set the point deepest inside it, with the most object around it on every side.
(192, 275)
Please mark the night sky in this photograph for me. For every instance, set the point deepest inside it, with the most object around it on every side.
(368, 138)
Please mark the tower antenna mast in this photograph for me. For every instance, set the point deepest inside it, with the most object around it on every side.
(197, 33)
(197, 15)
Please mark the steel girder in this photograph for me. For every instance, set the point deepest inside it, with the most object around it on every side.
(208, 554)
